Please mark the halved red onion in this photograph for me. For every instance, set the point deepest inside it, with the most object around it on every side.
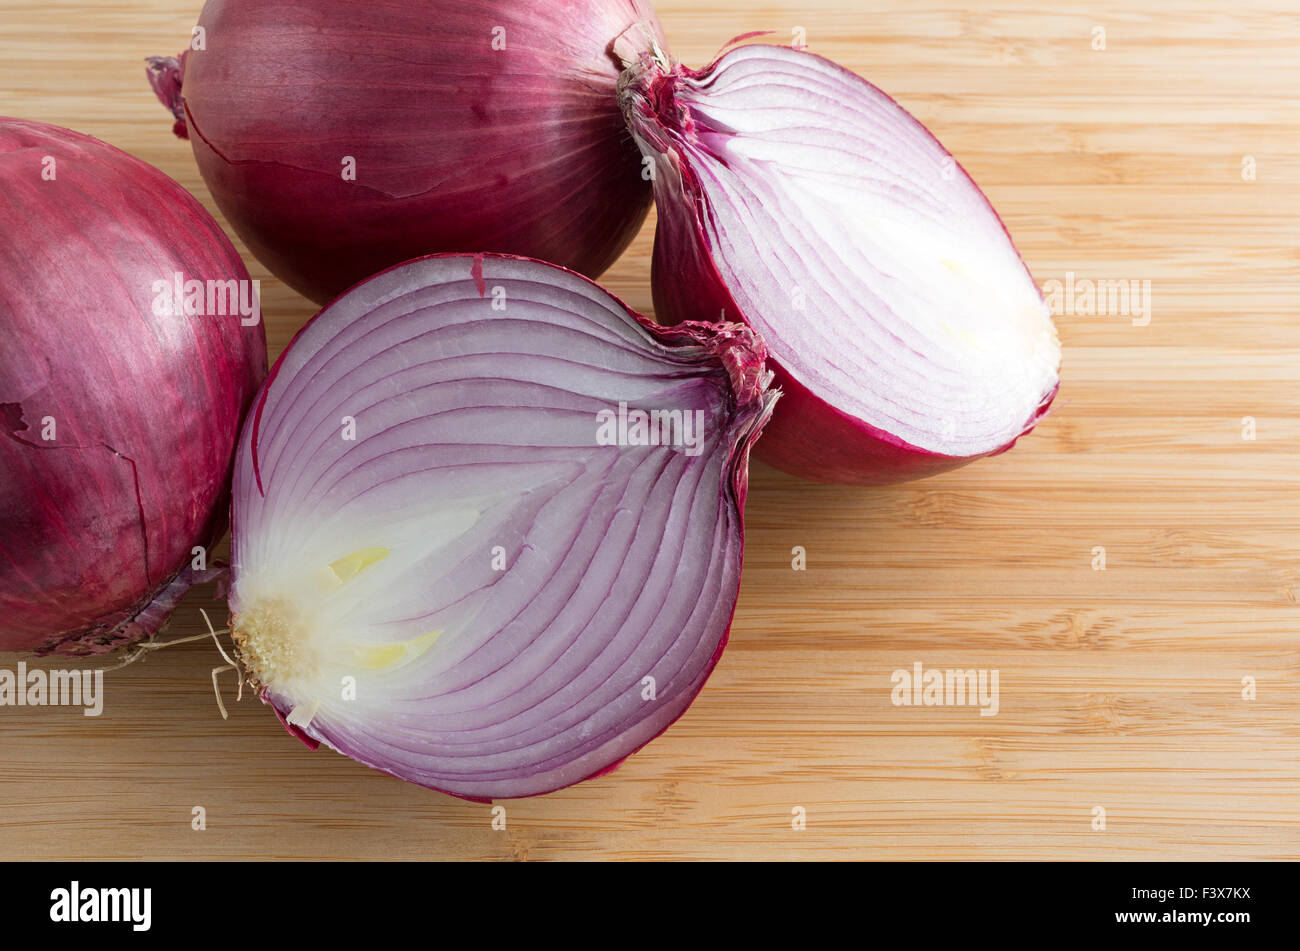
(906, 332)
(447, 565)
(342, 138)
(119, 411)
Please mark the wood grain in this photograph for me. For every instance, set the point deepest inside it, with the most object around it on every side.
(1120, 689)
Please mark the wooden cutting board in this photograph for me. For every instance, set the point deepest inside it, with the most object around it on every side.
(1171, 156)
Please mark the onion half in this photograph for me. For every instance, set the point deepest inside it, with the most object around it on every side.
(118, 425)
(430, 515)
(469, 125)
(905, 330)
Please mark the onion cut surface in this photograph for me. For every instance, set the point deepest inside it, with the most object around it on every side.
(342, 138)
(118, 417)
(905, 330)
(519, 604)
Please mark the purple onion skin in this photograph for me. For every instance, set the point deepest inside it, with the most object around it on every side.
(458, 146)
(98, 523)
(807, 436)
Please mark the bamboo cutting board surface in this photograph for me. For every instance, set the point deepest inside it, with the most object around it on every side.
(1121, 690)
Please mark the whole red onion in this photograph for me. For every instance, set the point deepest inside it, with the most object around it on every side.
(118, 411)
(342, 138)
(905, 331)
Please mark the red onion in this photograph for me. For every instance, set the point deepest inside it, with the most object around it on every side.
(906, 332)
(469, 125)
(433, 512)
(117, 425)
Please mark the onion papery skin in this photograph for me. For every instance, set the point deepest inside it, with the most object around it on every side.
(762, 173)
(457, 146)
(118, 427)
(476, 438)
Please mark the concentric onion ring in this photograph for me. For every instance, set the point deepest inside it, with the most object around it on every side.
(441, 570)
